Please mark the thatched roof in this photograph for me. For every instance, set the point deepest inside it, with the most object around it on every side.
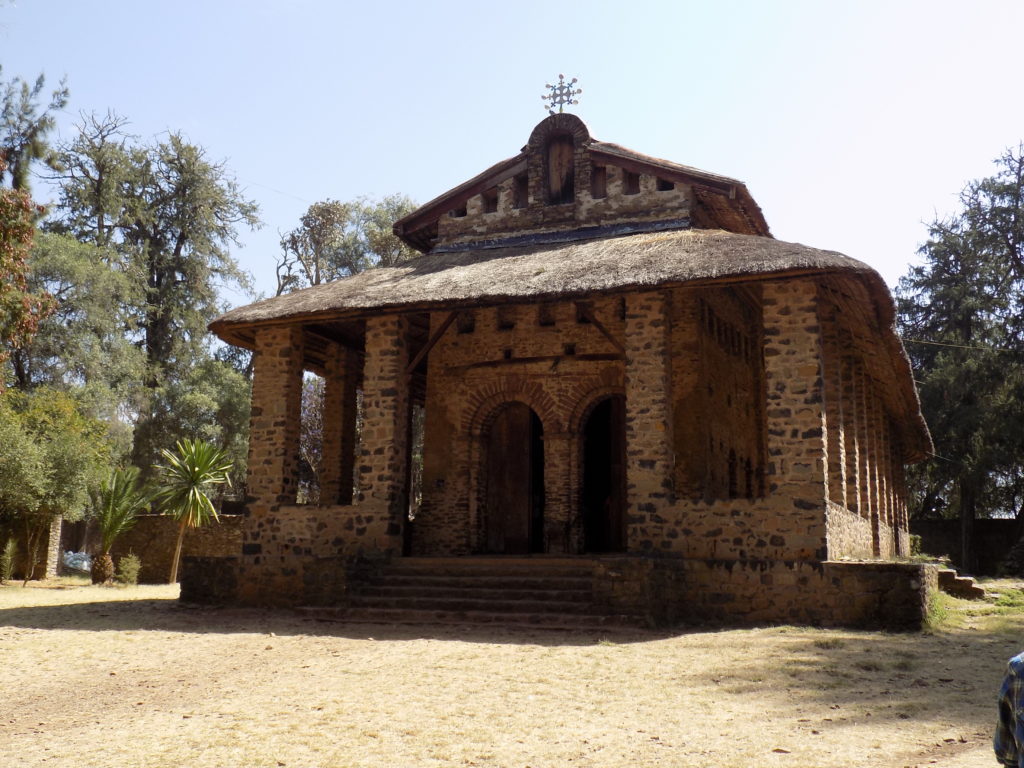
(545, 270)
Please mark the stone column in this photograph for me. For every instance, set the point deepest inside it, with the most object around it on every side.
(558, 485)
(273, 470)
(868, 507)
(872, 445)
(834, 409)
(795, 417)
(649, 455)
(51, 558)
(384, 452)
(339, 425)
(268, 571)
(849, 395)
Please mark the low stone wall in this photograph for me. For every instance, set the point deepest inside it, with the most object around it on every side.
(153, 539)
(863, 595)
(992, 541)
(866, 594)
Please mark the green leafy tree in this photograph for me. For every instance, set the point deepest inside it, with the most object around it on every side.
(25, 126)
(53, 456)
(960, 312)
(170, 214)
(86, 344)
(187, 478)
(117, 503)
(211, 402)
(336, 239)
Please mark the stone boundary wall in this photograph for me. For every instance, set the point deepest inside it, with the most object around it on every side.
(153, 539)
(992, 541)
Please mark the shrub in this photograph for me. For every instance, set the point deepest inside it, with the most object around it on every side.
(128, 570)
(7, 560)
(915, 544)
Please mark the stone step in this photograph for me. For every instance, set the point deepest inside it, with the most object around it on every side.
(474, 591)
(963, 587)
(470, 581)
(582, 621)
(442, 602)
(491, 567)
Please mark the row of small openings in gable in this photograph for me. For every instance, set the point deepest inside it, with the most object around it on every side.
(489, 198)
(508, 316)
(630, 182)
(598, 190)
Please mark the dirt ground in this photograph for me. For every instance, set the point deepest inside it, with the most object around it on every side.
(95, 676)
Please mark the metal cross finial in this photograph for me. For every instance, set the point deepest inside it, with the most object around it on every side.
(561, 94)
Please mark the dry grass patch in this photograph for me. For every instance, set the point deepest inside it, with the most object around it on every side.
(96, 676)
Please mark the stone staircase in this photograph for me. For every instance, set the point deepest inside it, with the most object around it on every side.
(533, 592)
(956, 585)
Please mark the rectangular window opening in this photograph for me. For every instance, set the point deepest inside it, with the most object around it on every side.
(545, 315)
(311, 421)
(457, 213)
(664, 185)
(490, 200)
(599, 182)
(520, 191)
(506, 318)
(465, 322)
(630, 183)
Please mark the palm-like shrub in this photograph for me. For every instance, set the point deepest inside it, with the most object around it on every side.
(118, 502)
(186, 479)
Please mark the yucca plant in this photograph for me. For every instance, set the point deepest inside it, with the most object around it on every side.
(121, 497)
(186, 479)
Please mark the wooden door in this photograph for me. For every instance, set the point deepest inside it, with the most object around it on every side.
(510, 481)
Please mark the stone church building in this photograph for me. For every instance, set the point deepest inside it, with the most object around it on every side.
(621, 373)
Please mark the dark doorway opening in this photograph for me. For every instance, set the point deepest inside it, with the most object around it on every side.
(514, 515)
(604, 477)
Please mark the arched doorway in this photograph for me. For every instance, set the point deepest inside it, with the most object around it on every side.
(514, 516)
(604, 477)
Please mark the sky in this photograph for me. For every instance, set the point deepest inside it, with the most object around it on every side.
(853, 124)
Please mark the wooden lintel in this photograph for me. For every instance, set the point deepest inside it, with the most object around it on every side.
(435, 337)
(588, 312)
(603, 356)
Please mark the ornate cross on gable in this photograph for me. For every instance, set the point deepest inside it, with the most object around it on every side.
(561, 94)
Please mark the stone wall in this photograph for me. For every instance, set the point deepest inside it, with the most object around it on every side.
(540, 355)
(718, 392)
(153, 539)
(866, 595)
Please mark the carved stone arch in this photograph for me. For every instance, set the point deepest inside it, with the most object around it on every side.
(587, 403)
(556, 166)
(563, 123)
(485, 405)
